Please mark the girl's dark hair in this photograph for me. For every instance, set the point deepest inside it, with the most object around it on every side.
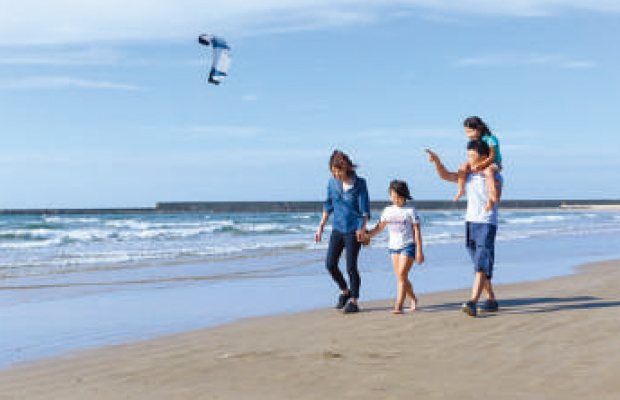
(401, 189)
(341, 161)
(478, 124)
(479, 146)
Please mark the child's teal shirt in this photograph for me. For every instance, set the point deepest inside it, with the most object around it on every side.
(492, 141)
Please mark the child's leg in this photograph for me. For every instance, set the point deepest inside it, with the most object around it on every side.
(462, 175)
(493, 186)
(498, 183)
(402, 266)
(408, 286)
(412, 296)
(400, 294)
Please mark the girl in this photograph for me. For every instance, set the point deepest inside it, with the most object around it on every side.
(405, 242)
(347, 199)
(475, 128)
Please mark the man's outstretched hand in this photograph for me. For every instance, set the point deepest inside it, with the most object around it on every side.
(432, 157)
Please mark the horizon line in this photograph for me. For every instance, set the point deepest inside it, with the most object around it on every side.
(180, 207)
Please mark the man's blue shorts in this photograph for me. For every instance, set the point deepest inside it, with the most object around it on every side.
(480, 244)
(408, 251)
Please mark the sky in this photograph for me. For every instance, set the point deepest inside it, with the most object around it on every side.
(104, 103)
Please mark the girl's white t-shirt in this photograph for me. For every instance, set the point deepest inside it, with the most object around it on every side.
(400, 222)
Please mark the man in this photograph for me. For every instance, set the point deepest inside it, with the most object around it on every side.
(480, 225)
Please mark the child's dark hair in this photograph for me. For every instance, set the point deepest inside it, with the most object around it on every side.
(341, 161)
(477, 124)
(479, 146)
(401, 189)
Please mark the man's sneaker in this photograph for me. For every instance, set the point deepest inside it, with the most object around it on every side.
(350, 308)
(490, 306)
(342, 300)
(469, 308)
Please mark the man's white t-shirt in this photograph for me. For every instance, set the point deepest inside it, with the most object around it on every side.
(477, 198)
(400, 222)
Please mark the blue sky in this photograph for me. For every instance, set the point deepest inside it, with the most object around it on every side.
(105, 103)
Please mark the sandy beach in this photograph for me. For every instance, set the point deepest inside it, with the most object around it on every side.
(552, 339)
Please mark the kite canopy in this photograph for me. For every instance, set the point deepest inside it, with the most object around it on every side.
(221, 57)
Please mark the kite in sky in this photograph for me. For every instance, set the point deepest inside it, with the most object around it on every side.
(221, 57)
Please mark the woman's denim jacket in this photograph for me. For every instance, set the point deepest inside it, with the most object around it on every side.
(350, 207)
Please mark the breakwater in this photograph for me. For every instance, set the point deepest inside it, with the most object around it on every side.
(295, 206)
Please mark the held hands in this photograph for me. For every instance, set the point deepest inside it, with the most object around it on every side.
(363, 237)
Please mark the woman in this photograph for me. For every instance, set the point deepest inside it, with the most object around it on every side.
(347, 199)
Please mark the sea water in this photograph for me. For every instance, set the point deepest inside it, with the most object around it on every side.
(69, 282)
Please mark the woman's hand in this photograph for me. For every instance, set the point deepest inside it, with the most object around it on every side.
(318, 235)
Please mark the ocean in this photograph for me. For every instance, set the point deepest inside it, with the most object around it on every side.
(69, 282)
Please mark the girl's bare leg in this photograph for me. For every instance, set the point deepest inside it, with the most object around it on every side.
(402, 266)
(493, 186)
(462, 173)
(414, 299)
(399, 295)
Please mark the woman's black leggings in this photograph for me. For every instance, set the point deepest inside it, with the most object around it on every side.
(339, 241)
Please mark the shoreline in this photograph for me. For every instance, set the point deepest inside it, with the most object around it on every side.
(310, 206)
(534, 346)
(101, 308)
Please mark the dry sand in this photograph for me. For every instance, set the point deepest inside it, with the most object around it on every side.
(553, 339)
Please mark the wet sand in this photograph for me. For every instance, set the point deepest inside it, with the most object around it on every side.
(552, 339)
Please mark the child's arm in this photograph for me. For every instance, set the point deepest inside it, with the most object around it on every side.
(487, 161)
(376, 230)
(419, 253)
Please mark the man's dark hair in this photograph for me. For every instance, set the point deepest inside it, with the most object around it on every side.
(479, 146)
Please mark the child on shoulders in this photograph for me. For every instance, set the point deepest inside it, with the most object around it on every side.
(475, 128)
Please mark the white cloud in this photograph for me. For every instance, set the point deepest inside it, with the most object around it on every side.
(73, 21)
(519, 60)
(61, 82)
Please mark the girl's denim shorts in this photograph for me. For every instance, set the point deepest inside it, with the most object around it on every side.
(408, 251)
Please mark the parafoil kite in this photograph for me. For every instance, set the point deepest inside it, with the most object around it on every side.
(221, 57)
